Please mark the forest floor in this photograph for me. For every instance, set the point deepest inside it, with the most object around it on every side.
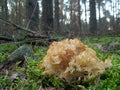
(29, 76)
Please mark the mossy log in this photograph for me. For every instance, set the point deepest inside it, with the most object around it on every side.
(18, 55)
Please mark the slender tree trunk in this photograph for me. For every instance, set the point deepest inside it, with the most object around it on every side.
(5, 16)
(79, 17)
(93, 21)
(32, 14)
(85, 13)
(99, 15)
(47, 16)
(6, 11)
(113, 15)
(118, 8)
(99, 11)
(18, 12)
(71, 17)
(2, 9)
(116, 16)
(61, 10)
(56, 19)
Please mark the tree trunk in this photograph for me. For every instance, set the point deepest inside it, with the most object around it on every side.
(93, 21)
(6, 10)
(61, 11)
(47, 17)
(85, 12)
(32, 14)
(79, 17)
(99, 15)
(18, 12)
(71, 17)
(113, 15)
(56, 19)
(4, 16)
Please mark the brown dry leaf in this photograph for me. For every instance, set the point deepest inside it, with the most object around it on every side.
(71, 59)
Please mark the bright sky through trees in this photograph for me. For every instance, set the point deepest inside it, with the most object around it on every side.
(105, 6)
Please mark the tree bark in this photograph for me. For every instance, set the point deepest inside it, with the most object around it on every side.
(99, 21)
(32, 15)
(4, 10)
(79, 17)
(61, 13)
(56, 19)
(71, 17)
(85, 12)
(93, 21)
(47, 17)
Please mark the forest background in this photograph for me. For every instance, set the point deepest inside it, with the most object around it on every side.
(30, 26)
(60, 17)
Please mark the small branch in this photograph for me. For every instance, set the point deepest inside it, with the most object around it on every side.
(17, 26)
(40, 42)
(6, 38)
(97, 82)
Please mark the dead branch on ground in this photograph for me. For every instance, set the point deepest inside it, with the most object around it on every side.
(31, 33)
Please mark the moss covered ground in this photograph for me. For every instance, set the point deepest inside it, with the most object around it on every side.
(30, 76)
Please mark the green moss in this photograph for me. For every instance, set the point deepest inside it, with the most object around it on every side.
(33, 78)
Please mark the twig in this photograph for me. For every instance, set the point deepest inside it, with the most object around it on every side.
(97, 82)
(40, 42)
(31, 15)
(17, 26)
(34, 34)
(6, 38)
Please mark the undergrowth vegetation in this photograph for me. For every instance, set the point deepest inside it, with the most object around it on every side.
(30, 76)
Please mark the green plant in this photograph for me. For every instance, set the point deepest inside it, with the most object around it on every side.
(30, 76)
